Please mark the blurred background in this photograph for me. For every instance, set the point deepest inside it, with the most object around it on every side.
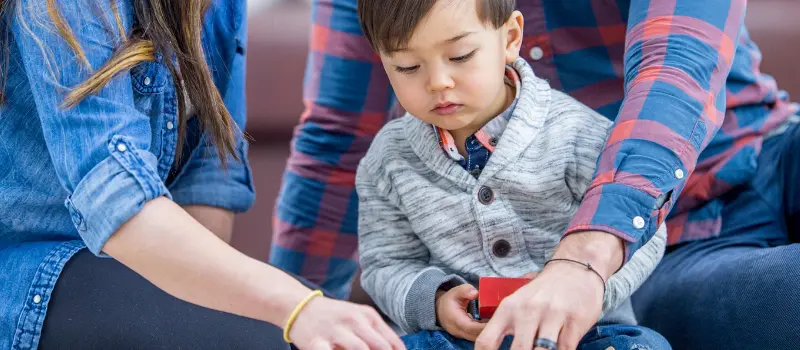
(278, 43)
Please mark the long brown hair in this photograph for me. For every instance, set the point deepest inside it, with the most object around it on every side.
(172, 28)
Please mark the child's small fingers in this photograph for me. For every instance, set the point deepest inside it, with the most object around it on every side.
(468, 326)
(466, 291)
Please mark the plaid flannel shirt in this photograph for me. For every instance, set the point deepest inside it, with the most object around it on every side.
(680, 78)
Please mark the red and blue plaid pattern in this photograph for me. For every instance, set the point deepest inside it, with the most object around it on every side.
(680, 78)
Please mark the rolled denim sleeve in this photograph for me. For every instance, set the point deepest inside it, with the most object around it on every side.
(99, 148)
(203, 180)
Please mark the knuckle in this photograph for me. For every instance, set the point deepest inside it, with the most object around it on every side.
(350, 320)
(373, 314)
(531, 305)
(559, 309)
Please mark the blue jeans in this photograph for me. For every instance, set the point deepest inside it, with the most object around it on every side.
(740, 290)
(599, 338)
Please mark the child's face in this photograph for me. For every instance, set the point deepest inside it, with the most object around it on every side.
(451, 72)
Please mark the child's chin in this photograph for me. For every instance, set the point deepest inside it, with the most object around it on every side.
(453, 121)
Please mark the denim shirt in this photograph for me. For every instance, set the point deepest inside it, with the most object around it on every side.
(69, 178)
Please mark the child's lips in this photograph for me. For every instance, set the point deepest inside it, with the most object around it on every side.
(447, 108)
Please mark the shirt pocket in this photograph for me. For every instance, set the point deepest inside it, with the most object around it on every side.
(149, 78)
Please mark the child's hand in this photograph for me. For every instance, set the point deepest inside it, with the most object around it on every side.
(451, 312)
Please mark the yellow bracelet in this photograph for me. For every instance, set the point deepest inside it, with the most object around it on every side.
(297, 309)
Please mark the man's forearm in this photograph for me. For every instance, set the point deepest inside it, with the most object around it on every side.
(603, 250)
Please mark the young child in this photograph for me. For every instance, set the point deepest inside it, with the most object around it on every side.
(482, 175)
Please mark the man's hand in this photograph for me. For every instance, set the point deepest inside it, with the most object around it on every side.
(451, 312)
(564, 301)
(560, 304)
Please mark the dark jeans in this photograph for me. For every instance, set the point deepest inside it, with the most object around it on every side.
(740, 290)
(599, 338)
(101, 304)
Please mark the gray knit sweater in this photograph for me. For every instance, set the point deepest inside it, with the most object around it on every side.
(426, 223)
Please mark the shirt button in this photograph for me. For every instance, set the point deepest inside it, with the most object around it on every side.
(170, 125)
(679, 174)
(536, 53)
(147, 81)
(485, 195)
(638, 222)
(501, 248)
(37, 299)
(493, 141)
(121, 147)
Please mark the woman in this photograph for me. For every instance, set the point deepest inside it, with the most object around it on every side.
(121, 132)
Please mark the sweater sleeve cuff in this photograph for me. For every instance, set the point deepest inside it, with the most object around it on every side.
(621, 210)
(420, 302)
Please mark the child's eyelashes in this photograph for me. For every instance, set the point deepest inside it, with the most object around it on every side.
(465, 57)
(406, 70)
(412, 69)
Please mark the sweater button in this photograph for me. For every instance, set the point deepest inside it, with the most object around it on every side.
(485, 195)
(501, 248)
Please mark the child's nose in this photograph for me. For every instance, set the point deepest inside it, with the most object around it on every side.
(440, 80)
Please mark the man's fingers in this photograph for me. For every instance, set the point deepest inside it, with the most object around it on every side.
(549, 330)
(525, 333)
(569, 337)
(492, 336)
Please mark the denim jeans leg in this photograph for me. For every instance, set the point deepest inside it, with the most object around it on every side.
(623, 337)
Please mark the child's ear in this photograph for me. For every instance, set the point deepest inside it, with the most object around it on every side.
(513, 35)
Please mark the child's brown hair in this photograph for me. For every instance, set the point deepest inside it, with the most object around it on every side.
(389, 24)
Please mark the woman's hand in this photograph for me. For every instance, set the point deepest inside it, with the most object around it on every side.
(560, 304)
(327, 324)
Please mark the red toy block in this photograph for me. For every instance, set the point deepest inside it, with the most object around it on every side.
(492, 290)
